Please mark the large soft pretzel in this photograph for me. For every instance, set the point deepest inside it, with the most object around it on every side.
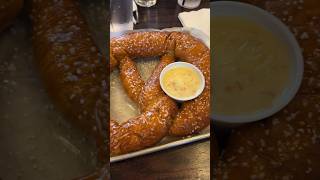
(193, 115)
(9, 10)
(74, 72)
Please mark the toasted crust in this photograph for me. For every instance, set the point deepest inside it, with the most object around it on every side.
(74, 72)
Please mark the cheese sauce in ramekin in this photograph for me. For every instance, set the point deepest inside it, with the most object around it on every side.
(182, 81)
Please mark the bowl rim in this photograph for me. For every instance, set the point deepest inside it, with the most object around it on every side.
(183, 64)
(295, 76)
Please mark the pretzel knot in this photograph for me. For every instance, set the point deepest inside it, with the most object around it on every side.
(160, 114)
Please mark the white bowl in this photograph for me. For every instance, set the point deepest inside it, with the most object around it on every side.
(183, 64)
(274, 25)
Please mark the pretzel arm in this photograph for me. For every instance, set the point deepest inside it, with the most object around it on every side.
(74, 72)
(152, 125)
(144, 44)
(151, 90)
(130, 78)
(144, 130)
(193, 115)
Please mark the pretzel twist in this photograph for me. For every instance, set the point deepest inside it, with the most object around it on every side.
(142, 131)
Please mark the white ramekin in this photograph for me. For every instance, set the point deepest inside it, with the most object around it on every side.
(280, 30)
(183, 64)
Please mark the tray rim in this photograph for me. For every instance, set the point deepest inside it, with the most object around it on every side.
(160, 147)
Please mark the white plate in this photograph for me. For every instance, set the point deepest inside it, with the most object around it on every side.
(274, 25)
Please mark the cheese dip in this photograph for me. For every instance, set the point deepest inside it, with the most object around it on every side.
(251, 66)
(181, 82)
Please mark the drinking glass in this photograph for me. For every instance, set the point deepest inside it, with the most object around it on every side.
(189, 4)
(146, 3)
(121, 15)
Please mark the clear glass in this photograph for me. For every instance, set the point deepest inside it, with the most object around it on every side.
(146, 3)
(121, 15)
(189, 4)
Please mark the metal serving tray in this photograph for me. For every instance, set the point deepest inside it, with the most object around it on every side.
(167, 142)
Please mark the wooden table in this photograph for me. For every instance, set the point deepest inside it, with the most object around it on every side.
(186, 162)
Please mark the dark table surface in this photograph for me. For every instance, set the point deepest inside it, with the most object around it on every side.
(163, 15)
(190, 161)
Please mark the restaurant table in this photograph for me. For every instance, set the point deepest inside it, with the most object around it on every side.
(191, 161)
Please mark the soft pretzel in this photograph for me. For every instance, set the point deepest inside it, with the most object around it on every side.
(8, 11)
(74, 72)
(285, 146)
(157, 112)
(193, 115)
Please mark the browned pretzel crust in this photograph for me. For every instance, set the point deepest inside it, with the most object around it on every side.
(74, 72)
(8, 11)
(193, 115)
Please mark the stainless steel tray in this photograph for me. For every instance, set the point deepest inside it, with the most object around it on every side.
(167, 142)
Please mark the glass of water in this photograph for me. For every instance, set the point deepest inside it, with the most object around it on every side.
(146, 3)
(189, 4)
(121, 15)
